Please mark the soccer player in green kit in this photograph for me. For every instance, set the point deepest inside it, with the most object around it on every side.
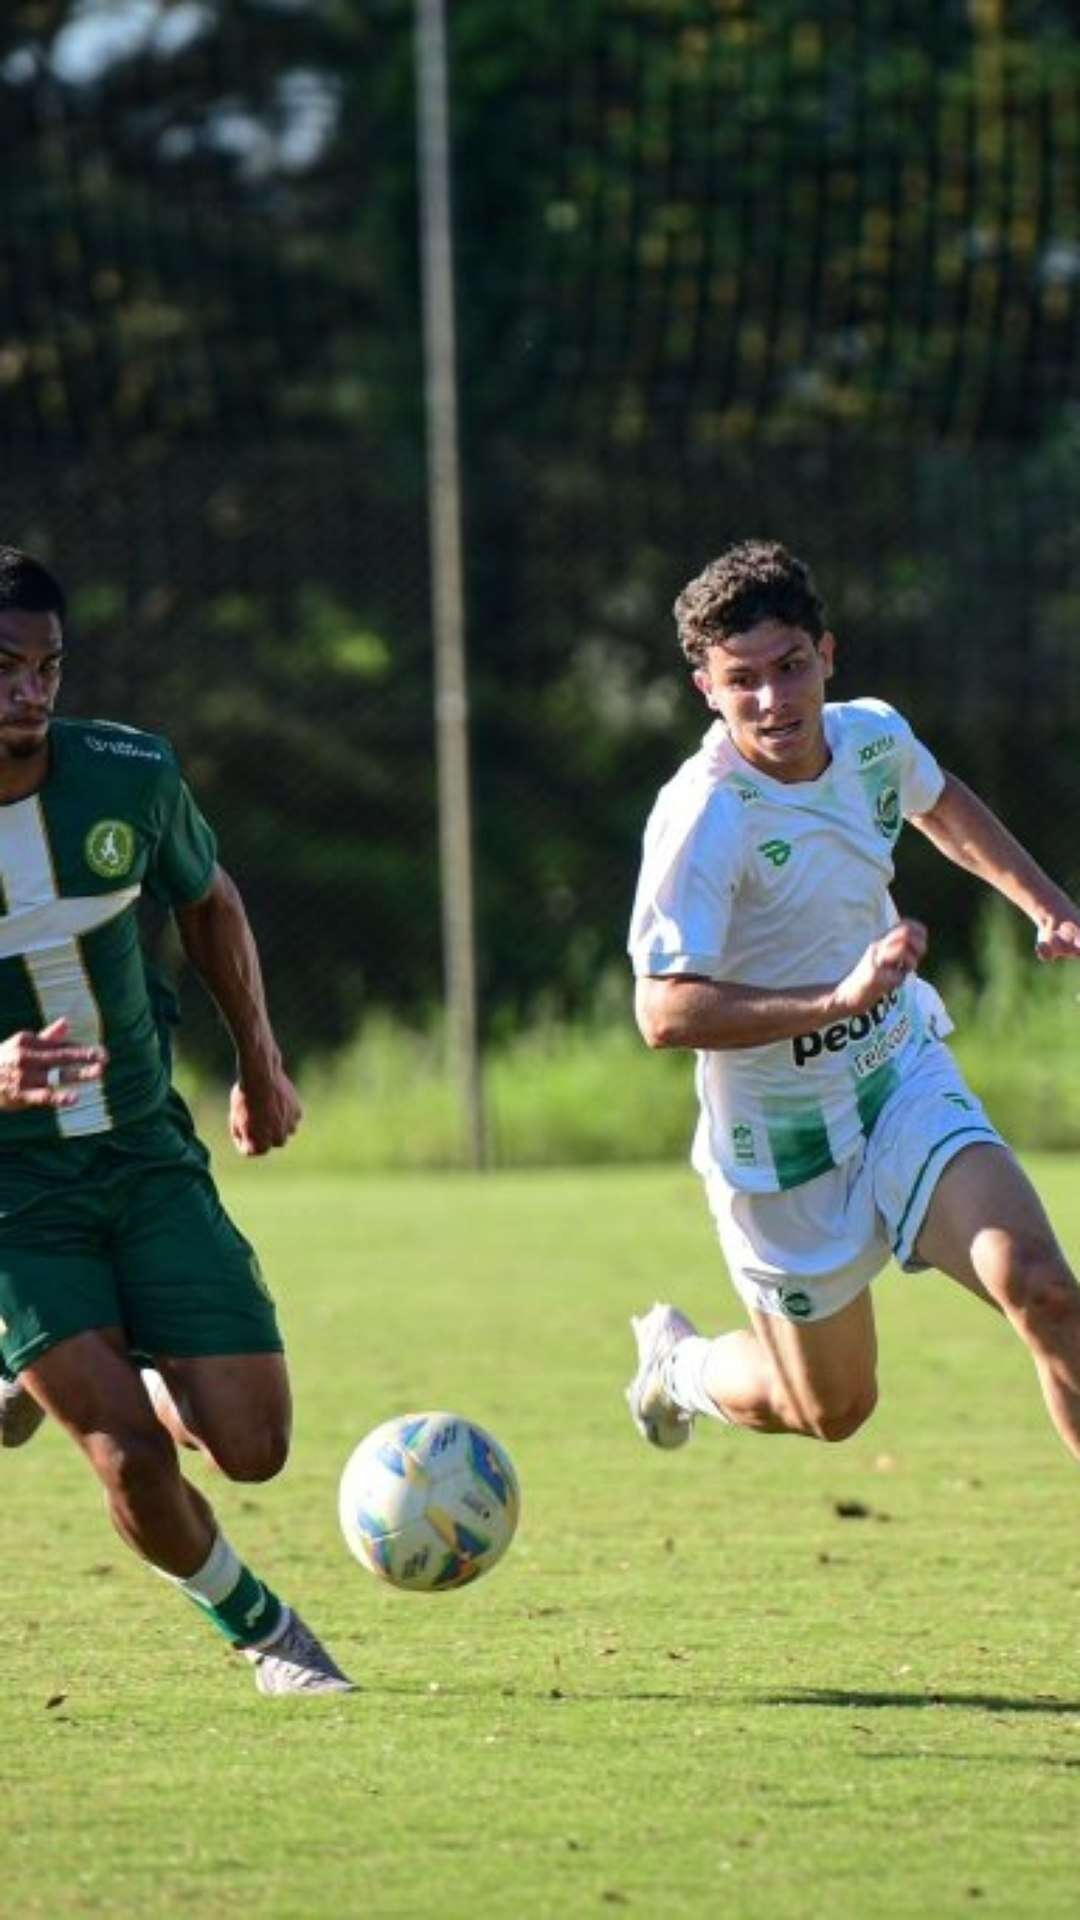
(113, 1242)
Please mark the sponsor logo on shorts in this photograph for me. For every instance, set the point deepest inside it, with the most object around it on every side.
(109, 848)
(876, 748)
(797, 1305)
(887, 812)
(846, 1033)
(742, 1141)
(777, 852)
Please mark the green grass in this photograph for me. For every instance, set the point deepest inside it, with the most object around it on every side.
(692, 1689)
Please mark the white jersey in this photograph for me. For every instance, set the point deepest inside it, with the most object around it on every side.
(774, 884)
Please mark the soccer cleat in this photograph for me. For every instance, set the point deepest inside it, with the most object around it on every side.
(652, 1409)
(296, 1663)
(20, 1415)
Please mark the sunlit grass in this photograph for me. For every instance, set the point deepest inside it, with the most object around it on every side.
(693, 1686)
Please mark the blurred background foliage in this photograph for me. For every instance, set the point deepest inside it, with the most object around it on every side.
(725, 267)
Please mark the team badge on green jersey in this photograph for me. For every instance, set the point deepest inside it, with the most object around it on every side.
(109, 848)
(887, 812)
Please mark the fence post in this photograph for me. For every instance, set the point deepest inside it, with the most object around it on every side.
(448, 598)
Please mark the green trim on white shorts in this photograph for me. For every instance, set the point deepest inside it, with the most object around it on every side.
(991, 1139)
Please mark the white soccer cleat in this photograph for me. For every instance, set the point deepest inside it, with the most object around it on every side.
(296, 1663)
(652, 1409)
(20, 1415)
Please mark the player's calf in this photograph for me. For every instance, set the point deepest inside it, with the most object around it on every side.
(1029, 1278)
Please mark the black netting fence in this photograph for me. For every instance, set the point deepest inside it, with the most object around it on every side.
(724, 268)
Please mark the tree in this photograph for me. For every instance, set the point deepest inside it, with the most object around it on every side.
(774, 266)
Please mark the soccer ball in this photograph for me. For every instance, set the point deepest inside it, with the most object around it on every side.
(428, 1501)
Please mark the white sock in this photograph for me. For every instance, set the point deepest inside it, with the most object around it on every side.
(215, 1579)
(218, 1580)
(684, 1377)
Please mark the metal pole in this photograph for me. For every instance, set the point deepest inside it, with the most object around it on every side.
(448, 599)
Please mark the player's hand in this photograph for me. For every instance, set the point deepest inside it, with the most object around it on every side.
(44, 1069)
(882, 969)
(1057, 937)
(264, 1111)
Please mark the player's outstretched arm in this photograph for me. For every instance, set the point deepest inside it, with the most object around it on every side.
(683, 1010)
(44, 1069)
(966, 831)
(264, 1110)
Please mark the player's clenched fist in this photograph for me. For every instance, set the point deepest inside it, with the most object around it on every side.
(882, 968)
(1058, 937)
(264, 1112)
(44, 1069)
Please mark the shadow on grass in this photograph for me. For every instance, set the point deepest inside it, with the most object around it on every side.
(1055, 1762)
(978, 1702)
(698, 1697)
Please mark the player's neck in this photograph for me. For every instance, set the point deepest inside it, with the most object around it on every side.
(22, 775)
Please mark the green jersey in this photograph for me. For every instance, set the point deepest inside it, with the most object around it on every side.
(112, 818)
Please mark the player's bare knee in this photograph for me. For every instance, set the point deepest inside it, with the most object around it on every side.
(830, 1420)
(840, 1419)
(254, 1456)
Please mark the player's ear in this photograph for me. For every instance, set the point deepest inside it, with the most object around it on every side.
(827, 650)
(704, 685)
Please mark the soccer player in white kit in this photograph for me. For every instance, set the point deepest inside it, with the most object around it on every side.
(834, 1131)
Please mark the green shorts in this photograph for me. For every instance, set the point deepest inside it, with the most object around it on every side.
(126, 1229)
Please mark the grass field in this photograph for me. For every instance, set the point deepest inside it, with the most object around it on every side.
(694, 1688)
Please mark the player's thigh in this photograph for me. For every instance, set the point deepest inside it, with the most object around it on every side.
(89, 1386)
(238, 1405)
(982, 1197)
(986, 1225)
(825, 1370)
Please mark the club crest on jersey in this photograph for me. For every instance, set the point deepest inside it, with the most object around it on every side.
(109, 849)
(887, 812)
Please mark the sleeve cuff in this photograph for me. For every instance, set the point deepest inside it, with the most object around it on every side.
(648, 964)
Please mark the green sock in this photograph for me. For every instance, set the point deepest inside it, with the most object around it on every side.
(229, 1594)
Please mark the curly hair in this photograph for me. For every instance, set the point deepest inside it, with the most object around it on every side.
(755, 580)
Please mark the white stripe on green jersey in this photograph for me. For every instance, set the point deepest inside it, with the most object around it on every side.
(770, 884)
(113, 816)
(45, 929)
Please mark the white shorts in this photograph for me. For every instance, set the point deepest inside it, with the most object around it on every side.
(807, 1253)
